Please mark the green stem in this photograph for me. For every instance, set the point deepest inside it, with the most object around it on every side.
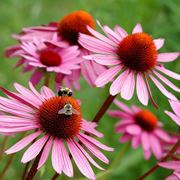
(3, 146)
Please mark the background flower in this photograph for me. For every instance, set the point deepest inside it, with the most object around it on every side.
(142, 128)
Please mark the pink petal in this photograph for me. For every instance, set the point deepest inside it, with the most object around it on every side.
(133, 129)
(119, 30)
(100, 36)
(155, 146)
(36, 77)
(145, 141)
(162, 88)
(118, 83)
(162, 135)
(166, 81)
(167, 57)
(125, 138)
(170, 164)
(80, 160)
(34, 149)
(95, 45)
(18, 129)
(103, 59)
(107, 76)
(158, 43)
(95, 151)
(128, 87)
(141, 90)
(168, 72)
(64, 158)
(147, 154)
(137, 29)
(119, 114)
(46, 92)
(175, 105)
(23, 143)
(86, 126)
(173, 117)
(135, 141)
(57, 161)
(45, 153)
(88, 156)
(95, 142)
(123, 107)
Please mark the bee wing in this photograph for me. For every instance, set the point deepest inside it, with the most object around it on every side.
(74, 111)
(62, 111)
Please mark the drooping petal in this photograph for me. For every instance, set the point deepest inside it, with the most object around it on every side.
(159, 43)
(133, 129)
(45, 153)
(23, 143)
(118, 83)
(128, 87)
(170, 164)
(162, 135)
(80, 160)
(173, 117)
(175, 105)
(162, 88)
(107, 76)
(34, 149)
(119, 30)
(141, 90)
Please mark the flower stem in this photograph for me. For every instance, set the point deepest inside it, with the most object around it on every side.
(172, 151)
(7, 165)
(55, 176)
(46, 80)
(32, 172)
(25, 170)
(103, 108)
(3, 146)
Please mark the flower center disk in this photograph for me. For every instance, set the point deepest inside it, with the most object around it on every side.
(138, 52)
(60, 125)
(50, 58)
(73, 24)
(146, 120)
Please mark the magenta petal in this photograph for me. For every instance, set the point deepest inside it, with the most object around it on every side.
(36, 77)
(170, 164)
(34, 149)
(133, 129)
(80, 160)
(145, 141)
(23, 143)
(156, 146)
(163, 135)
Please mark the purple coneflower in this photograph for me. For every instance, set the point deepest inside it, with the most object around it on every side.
(58, 124)
(134, 57)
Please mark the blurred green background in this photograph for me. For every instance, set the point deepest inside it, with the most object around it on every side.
(160, 18)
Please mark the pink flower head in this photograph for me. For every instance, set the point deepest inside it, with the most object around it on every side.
(67, 32)
(58, 125)
(141, 127)
(134, 57)
(175, 105)
(173, 165)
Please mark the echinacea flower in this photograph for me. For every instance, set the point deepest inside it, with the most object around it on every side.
(173, 165)
(141, 127)
(134, 58)
(67, 32)
(175, 105)
(58, 124)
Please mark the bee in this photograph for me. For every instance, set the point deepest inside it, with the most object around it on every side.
(65, 92)
(68, 110)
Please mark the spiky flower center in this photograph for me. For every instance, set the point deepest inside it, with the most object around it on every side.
(50, 58)
(138, 52)
(147, 120)
(71, 25)
(57, 124)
